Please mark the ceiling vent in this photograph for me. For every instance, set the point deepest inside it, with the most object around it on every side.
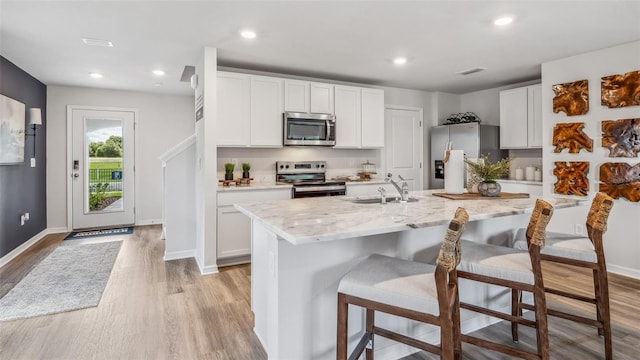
(97, 42)
(471, 71)
(187, 73)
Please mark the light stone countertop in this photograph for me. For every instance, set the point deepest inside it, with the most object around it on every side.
(308, 220)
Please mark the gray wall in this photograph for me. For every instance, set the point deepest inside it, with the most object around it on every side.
(23, 188)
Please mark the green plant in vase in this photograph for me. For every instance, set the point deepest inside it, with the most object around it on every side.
(245, 170)
(228, 171)
(489, 172)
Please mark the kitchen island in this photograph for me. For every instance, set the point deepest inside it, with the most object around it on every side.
(301, 248)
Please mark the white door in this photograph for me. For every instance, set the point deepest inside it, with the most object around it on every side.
(403, 145)
(102, 164)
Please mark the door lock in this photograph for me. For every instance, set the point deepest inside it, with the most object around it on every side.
(76, 175)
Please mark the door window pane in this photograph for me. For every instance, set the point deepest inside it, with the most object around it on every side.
(103, 164)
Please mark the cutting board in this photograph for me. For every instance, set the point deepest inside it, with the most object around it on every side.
(476, 196)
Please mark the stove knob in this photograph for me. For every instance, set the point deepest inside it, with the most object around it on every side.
(322, 165)
(317, 165)
(287, 166)
(281, 166)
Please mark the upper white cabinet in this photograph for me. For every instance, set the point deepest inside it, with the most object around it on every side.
(372, 118)
(359, 117)
(233, 109)
(266, 111)
(521, 118)
(296, 96)
(305, 96)
(249, 110)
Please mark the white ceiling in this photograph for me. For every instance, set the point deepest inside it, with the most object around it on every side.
(338, 40)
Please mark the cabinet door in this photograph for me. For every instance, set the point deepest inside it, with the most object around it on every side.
(513, 118)
(233, 109)
(534, 116)
(348, 116)
(372, 118)
(321, 98)
(296, 96)
(266, 111)
(234, 233)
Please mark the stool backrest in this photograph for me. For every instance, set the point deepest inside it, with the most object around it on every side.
(536, 231)
(449, 256)
(599, 212)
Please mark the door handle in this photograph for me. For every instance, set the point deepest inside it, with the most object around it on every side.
(76, 175)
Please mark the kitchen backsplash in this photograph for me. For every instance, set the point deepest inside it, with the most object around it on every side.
(340, 162)
(524, 158)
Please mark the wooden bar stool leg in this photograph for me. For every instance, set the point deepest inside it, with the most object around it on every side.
(603, 310)
(341, 347)
(542, 327)
(516, 310)
(598, 295)
(369, 324)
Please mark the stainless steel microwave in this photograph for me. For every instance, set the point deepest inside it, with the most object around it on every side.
(309, 129)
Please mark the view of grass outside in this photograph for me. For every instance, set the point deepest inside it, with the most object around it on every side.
(105, 172)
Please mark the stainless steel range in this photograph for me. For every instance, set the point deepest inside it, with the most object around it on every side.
(308, 179)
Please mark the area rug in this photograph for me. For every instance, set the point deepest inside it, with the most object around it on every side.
(101, 232)
(72, 277)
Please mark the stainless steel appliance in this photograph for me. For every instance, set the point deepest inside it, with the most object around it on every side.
(309, 129)
(308, 179)
(474, 138)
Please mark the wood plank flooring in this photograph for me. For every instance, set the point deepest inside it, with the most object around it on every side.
(152, 309)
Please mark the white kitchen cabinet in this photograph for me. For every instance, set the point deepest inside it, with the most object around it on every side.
(234, 228)
(521, 118)
(233, 109)
(348, 107)
(266, 111)
(321, 98)
(296, 96)
(372, 118)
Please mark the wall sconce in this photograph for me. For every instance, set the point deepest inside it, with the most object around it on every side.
(35, 119)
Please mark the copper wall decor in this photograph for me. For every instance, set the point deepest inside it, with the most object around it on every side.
(621, 137)
(570, 136)
(620, 180)
(572, 98)
(572, 178)
(621, 90)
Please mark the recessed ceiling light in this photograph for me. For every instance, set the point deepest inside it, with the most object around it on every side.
(97, 42)
(502, 21)
(248, 34)
(95, 75)
(158, 72)
(400, 61)
(157, 84)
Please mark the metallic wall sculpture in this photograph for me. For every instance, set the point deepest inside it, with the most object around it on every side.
(572, 98)
(620, 180)
(572, 178)
(621, 90)
(622, 137)
(570, 136)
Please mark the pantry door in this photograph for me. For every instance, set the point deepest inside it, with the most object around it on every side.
(403, 144)
(101, 167)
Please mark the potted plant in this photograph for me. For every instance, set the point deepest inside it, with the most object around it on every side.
(489, 172)
(245, 170)
(228, 171)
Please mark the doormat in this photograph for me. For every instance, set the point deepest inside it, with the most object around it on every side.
(72, 277)
(101, 232)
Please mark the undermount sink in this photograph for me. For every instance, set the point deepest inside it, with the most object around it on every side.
(376, 200)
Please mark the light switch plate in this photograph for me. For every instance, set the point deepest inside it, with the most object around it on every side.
(33, 162)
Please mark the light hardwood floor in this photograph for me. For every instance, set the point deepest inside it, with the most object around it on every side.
(152, 309)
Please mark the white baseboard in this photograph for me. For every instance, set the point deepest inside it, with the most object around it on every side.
(625, 271)
(264, 344)
(22, 248)
(206, 270)
(148, 222)
(175, 255)
(58, 230)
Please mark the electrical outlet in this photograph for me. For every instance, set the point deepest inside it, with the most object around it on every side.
(234, 162)
(578, 229)
(22, 220)
(26, 216)
(33, 162)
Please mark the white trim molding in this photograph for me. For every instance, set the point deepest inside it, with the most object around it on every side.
(27, 244)
(624, 271)
(149, 222)
(175, 255)
(206, 270)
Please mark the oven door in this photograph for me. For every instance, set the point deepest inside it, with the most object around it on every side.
(318, 191)
(309, 129)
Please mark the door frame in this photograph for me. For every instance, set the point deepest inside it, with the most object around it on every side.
(70, 109)
(421, 145)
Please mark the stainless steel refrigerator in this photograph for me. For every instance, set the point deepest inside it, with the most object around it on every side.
(474, 138)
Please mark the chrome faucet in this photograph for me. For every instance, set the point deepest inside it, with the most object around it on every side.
(403, 189)
(383, 195)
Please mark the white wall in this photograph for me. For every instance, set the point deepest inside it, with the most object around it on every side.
(445, 104)
(622, 240)
(164, 120)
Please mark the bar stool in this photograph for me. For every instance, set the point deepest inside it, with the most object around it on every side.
(408, 289)
(514, 269)
(586, 252)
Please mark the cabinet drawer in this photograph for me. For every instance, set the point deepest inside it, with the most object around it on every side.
(240, 196)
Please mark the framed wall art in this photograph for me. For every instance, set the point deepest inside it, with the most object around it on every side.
(570, 136)
(572, 178)
(621, 90)
(621, 137)
(620, 180)
(12, 117)
(571, 98)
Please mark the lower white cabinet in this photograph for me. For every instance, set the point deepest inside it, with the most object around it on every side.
(234, 227)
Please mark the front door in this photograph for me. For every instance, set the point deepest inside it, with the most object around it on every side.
(102, 166)
(403, 145)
